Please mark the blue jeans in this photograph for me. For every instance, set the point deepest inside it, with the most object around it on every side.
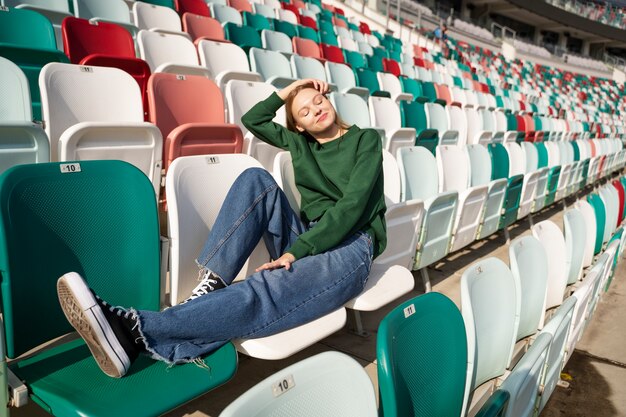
(267, 302)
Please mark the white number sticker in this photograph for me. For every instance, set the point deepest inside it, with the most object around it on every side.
(212, 160)
(409, 311)
(69, 168)
(282, 386)
(86, 69)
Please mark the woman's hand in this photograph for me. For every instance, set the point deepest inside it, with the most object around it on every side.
(319, 85)
(284, 261)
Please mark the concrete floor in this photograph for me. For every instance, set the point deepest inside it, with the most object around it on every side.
(597, 367)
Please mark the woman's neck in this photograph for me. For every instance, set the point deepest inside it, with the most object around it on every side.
(333, 132)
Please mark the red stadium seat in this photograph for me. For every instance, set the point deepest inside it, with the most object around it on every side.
(306, 47)
(203, 27)
(189, 111)
(192, 6)
(332, 53)
(105, 45)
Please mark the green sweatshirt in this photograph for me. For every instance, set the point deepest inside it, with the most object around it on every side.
(340, 182)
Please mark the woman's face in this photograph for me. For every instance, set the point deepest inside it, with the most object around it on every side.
(312, 111)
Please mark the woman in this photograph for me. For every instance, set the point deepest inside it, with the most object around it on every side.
(321, 258)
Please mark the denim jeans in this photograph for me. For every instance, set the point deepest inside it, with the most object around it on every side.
(267, 302)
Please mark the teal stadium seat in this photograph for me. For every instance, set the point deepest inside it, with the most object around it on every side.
(98, 218)
(27, 39)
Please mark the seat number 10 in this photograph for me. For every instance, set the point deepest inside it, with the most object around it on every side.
(282, 386)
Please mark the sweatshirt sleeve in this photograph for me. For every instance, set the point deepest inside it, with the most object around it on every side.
(258, 120)
(339, 221)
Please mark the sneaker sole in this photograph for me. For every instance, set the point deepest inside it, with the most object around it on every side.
(85, 315)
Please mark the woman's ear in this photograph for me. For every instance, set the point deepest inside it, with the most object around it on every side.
(299, 128)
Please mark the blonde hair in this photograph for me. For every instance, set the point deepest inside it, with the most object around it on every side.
(291, 121)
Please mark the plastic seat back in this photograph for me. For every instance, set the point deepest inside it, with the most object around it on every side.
(158, 49)
(188, 225)
(189, 111)
(453, 164)
(220, 58)
(306, 47)
(244, 36)
(28, 39)
(304, 67)
(106, 243)
(340, 74)
(325, 385)
(558, 327)
(242, 95)
(276, 41)
(529, 265)
(151, 16)
(202, 27)
(97, 113)
(553, 242)
(418, 180)
(227, 14)
(431, 383)
(575, 238)
(590, 230)
(352, 109)
(488, 304)
(21, 140)
(111, 10)
(26, 29)
(82, 38)
(524, 381)
(600, 214)
(273, 66)
(198, 7)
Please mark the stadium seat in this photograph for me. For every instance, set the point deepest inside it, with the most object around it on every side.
(165, 52)
(390, 83)
(328, 384)
(264, 10)
(240, 97)
(225, 62)
(558, 327)
(198, 7)
(517, 166)
(28, 40)
(156, 18)
(189, 112)
(389, 277)
(453, 166)
(304, 67)
(202, 27)
(417, 166)
(343, 77)
(21, 140)
(273, 67)
(115, 247)
(307, 47)
(575, 241)
(422, 385)
(490, 314)
(107, 45)
(553, 243)
(600, 215)
(277, 41)
(226, 14)
(245, 37)
(414, 116)
(501, 169)
(241, 5)
(481, 170)
(194, 200)
(112, 11)
(54, 11)
(385, 113)
(96, 113)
